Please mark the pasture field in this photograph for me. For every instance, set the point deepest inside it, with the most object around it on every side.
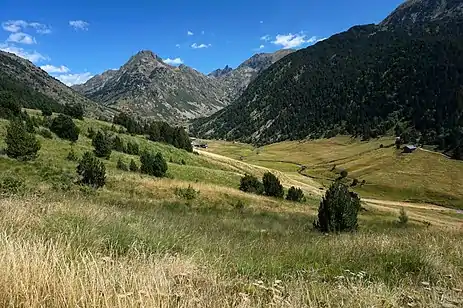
(144, 242)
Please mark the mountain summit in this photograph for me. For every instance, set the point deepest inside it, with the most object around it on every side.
(149, 87)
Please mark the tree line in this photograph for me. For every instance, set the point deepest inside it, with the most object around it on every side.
(156, 131)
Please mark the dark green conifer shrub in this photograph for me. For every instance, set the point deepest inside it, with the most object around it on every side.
(91, 170)
(102, 144)
(251, 184)
(65, 128)
(272, 186)
(295, 194)
(20, 144)
(338, 210)
(153, 164)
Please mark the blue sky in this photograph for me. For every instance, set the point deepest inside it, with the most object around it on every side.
(74, 40)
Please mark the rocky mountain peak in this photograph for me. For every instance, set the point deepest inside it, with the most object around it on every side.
(221, 72)
(415, 12)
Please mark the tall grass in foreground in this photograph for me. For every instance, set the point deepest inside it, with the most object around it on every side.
(81, 252)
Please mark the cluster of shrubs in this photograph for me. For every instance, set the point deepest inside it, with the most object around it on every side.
(270, 186)
(105, 143)
(132, 166)
(156, 131)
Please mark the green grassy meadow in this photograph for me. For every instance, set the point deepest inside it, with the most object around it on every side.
(140, 242)
(389, 174)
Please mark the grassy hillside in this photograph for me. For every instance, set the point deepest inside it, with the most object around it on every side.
(141, 242)
(389, 174)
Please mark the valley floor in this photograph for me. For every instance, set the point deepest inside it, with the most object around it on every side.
(144, 242)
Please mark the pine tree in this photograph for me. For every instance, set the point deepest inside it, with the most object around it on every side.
(65, 128)
(295, 194)
(102, 144)
(19, 143)
(251, 184)
(338, 210)
(153, 164)
(272, 185)
(91, 170)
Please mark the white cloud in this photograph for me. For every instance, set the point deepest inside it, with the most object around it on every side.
(177, 45)
(265, 38)
(200, 46)
(55, 69)
(40, 28)
(22, 38)
(293, 40)
(79, 25)
(14, 25)
(72, 79)
(189, 33)
(176, 61)
(322, 39)
(18, 25)
(261, 47)
(33, 56)
(202, 32)
(261, 21)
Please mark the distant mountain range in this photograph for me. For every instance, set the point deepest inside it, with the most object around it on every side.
(147, 86)
(403, 77)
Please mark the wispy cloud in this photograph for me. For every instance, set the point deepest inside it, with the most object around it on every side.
(176, 61)
(20, 25)
(32, 56)
(40, 28)
(293, 40)
(203, 32)
(72, 79)
(21, 38)
(189, 33)
(200, 46)
(266, 38)
(55, 69)
(79, 25)
(259, 48)
(261, 21)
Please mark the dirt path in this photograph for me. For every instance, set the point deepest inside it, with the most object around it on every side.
(309, 185)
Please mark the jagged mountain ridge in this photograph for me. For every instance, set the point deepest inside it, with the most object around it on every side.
(27, 74)
(149, 87)
(235, 81)
(365, 82)
(220, 72)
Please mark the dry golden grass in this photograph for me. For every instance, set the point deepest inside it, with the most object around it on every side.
(49, 271)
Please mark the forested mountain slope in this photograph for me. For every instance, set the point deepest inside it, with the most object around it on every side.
(32, 87)
(368, 81)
